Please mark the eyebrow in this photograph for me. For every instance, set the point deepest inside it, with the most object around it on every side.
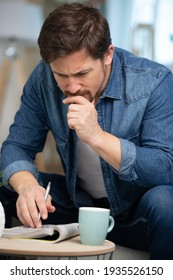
(85, 71)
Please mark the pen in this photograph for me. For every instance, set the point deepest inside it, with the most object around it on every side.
(45, 197)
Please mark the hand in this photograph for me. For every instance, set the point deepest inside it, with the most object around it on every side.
(31, 200)
(82, 117)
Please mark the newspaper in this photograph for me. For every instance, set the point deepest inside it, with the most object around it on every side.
(49, 232)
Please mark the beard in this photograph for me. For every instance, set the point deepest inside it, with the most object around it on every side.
(85, 93)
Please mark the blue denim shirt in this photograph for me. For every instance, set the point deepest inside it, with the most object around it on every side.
(136, 106)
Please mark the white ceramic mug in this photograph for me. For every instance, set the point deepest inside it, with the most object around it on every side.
(94, 224)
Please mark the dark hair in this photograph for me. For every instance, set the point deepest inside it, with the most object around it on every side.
(72, 27)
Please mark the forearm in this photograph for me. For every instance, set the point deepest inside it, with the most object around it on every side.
(145, 166)
(108, 147)
(21, 180)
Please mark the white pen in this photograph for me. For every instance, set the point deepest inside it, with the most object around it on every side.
(45, 197)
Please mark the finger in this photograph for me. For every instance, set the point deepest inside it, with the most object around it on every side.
(76, 100)
(22, 220)
(50, 207)
(45, 206)
(33, 212)
(24, 214)
(74, 107)
(43, 212)
(72, 115)
(93, 102)
(31, 216)
(72, 124)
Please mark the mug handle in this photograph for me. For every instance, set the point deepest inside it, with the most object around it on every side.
(111, 223)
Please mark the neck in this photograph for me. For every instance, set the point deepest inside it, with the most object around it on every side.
(107, 71)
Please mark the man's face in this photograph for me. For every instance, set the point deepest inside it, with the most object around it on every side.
(80, 74)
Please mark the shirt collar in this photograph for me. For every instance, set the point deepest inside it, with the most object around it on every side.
(113, 88)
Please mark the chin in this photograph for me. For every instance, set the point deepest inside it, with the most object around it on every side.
(89, 98)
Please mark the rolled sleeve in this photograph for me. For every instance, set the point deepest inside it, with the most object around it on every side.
(17, 166)
(128, 158)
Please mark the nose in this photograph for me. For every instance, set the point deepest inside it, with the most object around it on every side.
(73, 85)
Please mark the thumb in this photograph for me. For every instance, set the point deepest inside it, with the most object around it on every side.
(93, 101)
(51, 208)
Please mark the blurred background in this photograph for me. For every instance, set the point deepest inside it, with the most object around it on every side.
(144, 27)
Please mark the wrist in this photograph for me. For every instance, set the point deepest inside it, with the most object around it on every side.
(96, 140)
(21, 180)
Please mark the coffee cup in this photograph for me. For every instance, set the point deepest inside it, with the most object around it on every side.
(94, 224)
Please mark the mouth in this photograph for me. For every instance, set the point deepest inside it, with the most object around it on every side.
(86, 94)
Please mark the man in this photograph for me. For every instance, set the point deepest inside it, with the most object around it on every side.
(111, 115)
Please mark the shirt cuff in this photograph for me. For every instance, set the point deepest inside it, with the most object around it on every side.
(16, 167)
(128, 158)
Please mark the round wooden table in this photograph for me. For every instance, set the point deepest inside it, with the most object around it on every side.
(69, 248)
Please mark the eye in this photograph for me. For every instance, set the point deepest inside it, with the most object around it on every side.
(81, 74)
(61, 75)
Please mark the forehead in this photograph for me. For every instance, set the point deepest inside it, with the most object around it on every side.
(75, 62)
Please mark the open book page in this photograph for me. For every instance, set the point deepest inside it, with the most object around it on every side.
(56, 232)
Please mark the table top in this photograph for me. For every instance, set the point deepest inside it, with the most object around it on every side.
(70, 247)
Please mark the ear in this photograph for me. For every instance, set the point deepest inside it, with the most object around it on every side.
(109, 55)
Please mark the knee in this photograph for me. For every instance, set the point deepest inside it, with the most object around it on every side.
(160, 203)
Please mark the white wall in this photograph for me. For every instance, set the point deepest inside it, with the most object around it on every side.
(164, 32)
(16, 78)
(123, 15)
(119, 15)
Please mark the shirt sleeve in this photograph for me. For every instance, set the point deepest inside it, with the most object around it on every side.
(27, 133)
(150, 162)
